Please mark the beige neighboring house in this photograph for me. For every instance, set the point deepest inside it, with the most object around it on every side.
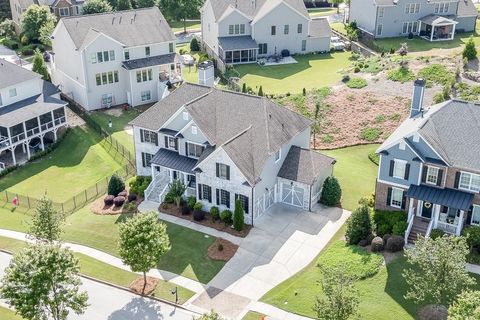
(61, 8)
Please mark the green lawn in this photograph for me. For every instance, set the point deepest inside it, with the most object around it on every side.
(339, 27)
(188, 256)
(119, 124)
(78, 163)
(177, 26)
(355, 172)
(189, 73)
(102, 271)
(321, 12)
(6, 314)
(252, 315)
(311, 71)
(380, 296)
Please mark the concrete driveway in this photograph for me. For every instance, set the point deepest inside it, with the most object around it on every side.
(284, 241)
(109, 303)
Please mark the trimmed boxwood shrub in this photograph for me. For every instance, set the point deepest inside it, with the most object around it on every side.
(395, 243)
(359, 225)
(198, 215)
(377, 244)
(436, 233)
(108, 200)
(119, 201)
(331, 192)
(132, 197)
(139, 184)
(385, 220)
(399, 228)
(115, 185)
(215, 213)
(191, 201)
(198, 206)
(386, 237)
(363, 243)
(185, 210)
(124, 193)
(226, 216)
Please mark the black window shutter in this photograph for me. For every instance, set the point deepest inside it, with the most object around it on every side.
(228, 199)
(218, 196)
(217, 170)
(155, 138)
(199, 191)
(176, 144)
(389, 196)
(236, 196)
(186, 149)
(246, 205)
(392, 165)
(407, 171)
(457, 179)
(166, 142)
(143, 160)
(404, 199)
(424, 174)
(228, 172)
(440, 177)
(209, 193)
(141, 135)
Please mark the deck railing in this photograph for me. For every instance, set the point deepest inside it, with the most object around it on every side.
(447, 227)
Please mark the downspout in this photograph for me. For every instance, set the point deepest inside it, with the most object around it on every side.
(310, 200)
(253, 203)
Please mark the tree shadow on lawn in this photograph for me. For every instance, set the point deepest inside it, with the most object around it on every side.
(69, 153)
(396, 286)
(285, 70)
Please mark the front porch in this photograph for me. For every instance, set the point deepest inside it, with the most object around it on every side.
(437, 28)
(443, 209)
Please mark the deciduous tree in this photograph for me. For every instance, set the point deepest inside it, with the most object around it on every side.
(47, 222)
(34, 18)
(42, 282)
(146, 3)
(124, 5)
(96, 6)
(143, 240)
(466, 306)
(39, 66)
(180, 10)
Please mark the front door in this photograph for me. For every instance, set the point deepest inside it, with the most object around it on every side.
(427, 210)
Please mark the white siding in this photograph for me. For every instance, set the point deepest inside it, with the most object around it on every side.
(209, 27)
(24, 90)
(364, 13)
(233, 18)
(146, 147)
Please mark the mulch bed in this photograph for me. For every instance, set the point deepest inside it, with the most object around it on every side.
(99, 207)
(137, 285)
(172, 210)
(226, 253)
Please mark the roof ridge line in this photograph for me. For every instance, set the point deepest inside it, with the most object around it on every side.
(267, 125)
(106, 13)
(236, 136)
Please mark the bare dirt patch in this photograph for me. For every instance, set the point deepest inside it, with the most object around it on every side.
(222, 250)
(137, 285)
(114, 112)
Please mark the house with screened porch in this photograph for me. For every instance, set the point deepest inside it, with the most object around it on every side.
(31, 114)
(430, 167)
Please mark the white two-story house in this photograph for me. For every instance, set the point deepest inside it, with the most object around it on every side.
(240, 31)
(31, 114)
(115, 58)
(225, 146)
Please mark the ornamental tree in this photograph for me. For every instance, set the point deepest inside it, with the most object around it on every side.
(466, 306)
(470, 52)
(42, 282)
(39, 66)
(143, 241)
(176, 189)
(359, 225)
(34, 18)
(331, 192)
(47, 222)
(437, 269)
(96, 6)
(238, 217)
(339, 299)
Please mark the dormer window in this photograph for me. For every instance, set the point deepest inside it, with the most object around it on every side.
(185, 115)
(147, 51)
(12, 92)
(126, 54)
(170, 47)
(194, 130)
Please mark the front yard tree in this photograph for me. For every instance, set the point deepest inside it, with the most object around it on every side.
(96, 6)
(176, 190)
(42, 282)
(437, 271)
(238, 217)
(7, 29)
(359, 225)
(465, 307)
(180, 10)
(34, 18)
(39, 66)
(124, 5)
(339, 299)
(331, 192)
(212, 315)
(143, 240)
(47, 222)
(470, 52)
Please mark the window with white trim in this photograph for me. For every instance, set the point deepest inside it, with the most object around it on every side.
(300, 28)
(469, 181)
(278, 155)
(147, 51)
(64, 12)
(144, 75)
(399, 169)
(441, 7)
(107, 99)
(106, 78)
(432, 175)
(236, 29)
(475, 215)
(12, 92)
(379, 29)
(146, 95)
(412, 7)
(286, 29)
(146, 159)
(224, 198)
(244, 201)
(105, 56)
(397, 197)
(304, 45)
(172, 142)
(223, 171)
(149, 136)
(194, 150)
(381, 12)
(185, 115)
(410, 27)
(194, 130)
(126, 54)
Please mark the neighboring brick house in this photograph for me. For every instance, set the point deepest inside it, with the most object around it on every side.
(225, 146)
(430, 166)
(433, 20)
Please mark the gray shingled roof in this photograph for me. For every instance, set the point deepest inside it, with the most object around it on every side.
(11, 74)
(27, 109)
(131, 28)
(320, 28)
(466, 8)
(237, 43)
(171, 159)
(304, 165)
(451, 198)
(251, 7)
(150, 61)
(432, 19)
(249, 128)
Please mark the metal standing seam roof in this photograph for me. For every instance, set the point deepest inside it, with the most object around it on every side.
(451, 198)
(237, 43)
(150, 61)
(171, 159)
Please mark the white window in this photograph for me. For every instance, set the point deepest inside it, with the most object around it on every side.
(432, 175)
(304, 45)
(112, 55)
(146, 95)
(147, 51)
(399, 169)
(63, 12)
(397, 198)
(278, 155)
(149, 136)
(412, 8)
(185, 115)
(469, 181)
(126, 54)
(379, 29)
(106, 78)
(441, 7)
(194, 130)
(147, 159)
(225, 198)
(172, 143)
(223, 171)
(76, 10)
(194, 150)
(144, 75)
(286, 29)
(411, 26)
(475, 215)
(12, 92)
(381, 12)
(107, 99)
(230, 29)
(93, 57)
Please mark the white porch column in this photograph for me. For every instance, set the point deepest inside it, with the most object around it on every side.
(26, 143)
(431, 33)
(42, 144)
(153, 171)
(460, 223)
(436, 212)
(13, 156)
(170, 173)
(453, 32)
(410, 209)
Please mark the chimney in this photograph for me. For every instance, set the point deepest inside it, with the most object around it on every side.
(417, 97)
(206, 73)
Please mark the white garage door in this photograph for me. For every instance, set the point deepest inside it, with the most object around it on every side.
(292, 195)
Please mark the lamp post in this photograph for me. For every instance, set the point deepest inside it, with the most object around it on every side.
(175, 292)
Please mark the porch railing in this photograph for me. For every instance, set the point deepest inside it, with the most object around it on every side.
(429, 228)
(4, 142)
(409, 228)
(447, 227)
(161, 196)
